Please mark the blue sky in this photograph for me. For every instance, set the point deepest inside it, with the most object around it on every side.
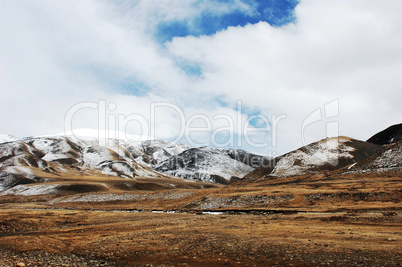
(275, 12)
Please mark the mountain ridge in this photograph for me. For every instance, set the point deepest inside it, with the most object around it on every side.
(392, 134)
(24, 160)
(326, 155)
(40, 159)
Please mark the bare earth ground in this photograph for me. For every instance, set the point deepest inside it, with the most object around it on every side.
(300, 221)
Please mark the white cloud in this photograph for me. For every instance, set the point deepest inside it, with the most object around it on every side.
(349, 50)
(54, 54)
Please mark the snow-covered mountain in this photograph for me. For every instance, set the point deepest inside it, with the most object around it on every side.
(205, 164)
(7, 138)
(88, 152)
(32, 158)
(209, 164)
(94, 154)
(325, 155)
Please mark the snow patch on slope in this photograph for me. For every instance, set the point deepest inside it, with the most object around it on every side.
(56, 148)
(31, 190)
(24, 171)
(327, 151)
(389, 159)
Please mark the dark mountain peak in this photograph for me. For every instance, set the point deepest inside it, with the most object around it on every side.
(392, 134)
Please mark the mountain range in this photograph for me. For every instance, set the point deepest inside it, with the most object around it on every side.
(35, 159)
(48, 159)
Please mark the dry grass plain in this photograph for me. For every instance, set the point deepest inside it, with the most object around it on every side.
(335, 220)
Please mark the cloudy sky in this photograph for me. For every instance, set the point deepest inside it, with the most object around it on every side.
(248, 74)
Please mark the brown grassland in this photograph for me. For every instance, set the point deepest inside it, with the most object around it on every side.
(311, 220)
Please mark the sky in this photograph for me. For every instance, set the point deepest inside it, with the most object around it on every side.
(264, 76)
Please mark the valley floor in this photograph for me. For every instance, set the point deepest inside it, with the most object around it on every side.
(350, 220)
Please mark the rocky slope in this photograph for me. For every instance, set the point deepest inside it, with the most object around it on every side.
(208, 164)
(387, 160)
